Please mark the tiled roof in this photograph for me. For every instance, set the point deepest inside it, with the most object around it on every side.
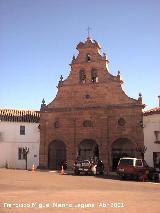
(155, 110)
(14, 115)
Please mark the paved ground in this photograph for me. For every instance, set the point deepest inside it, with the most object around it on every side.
(27, 192)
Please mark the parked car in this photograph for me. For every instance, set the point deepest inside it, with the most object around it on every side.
(99, 168)
(88, 167)
(82, 166)
(134, 168)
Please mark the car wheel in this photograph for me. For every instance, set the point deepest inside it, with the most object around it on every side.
(123, 177)
(76, 172)
(101, 173)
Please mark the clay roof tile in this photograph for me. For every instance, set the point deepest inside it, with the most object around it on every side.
(152, 111)
(13, 115)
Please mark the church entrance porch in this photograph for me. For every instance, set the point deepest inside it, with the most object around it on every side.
(88, 149)
(122, 147)
(56, 154)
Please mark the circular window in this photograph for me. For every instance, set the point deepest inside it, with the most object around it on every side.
(87, 96)
(121, 122)
(87, 123)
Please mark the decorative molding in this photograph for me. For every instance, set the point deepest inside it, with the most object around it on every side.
(116, 106)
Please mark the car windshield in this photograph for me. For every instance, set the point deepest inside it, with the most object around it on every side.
(85, 161)
(126, 161)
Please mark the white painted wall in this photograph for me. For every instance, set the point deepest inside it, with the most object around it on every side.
(11, 140)
(151, 124)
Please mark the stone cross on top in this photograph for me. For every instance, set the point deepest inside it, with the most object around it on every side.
(88, 30)
(61, 78)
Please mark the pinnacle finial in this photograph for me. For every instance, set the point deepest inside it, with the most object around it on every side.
(104, 56)
(73, 58)
(140, 97)
(43, 101)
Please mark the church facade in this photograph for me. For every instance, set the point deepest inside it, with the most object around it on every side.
(91, 116)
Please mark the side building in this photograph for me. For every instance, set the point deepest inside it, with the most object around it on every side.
(91, 116)
(151, 121)
(19, 129)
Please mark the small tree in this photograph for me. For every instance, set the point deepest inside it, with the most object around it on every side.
(141, 149)
(25, 154)
(6, 165)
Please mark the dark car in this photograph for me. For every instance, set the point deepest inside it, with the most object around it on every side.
(82, 166)
(88, 167)
(99, 168)
(134, 168)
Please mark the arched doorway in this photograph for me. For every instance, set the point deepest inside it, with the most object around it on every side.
(88, 148)
(122, 147)
(56, 154)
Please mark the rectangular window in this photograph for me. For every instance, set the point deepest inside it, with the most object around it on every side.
(139, 163)
(20, 154)
(1, 136)
(157, 136)
(156, 160)
(22, 130)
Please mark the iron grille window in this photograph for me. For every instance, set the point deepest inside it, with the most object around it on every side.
(94, 76)
(88, 56)
(21, 155)
(156, 160)
(56, 124)
(22, 130)
(82, 76)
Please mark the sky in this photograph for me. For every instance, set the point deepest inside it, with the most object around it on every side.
(39, 37)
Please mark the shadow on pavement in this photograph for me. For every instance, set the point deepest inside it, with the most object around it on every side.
(112, 176)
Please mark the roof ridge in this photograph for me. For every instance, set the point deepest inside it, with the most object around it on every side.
(18, 109)
(16, 115)
(154, 110)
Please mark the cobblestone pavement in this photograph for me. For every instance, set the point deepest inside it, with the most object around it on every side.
(28, 192)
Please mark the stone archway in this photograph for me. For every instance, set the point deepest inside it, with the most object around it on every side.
(87, 149)
(56, 154)
(122, 147)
